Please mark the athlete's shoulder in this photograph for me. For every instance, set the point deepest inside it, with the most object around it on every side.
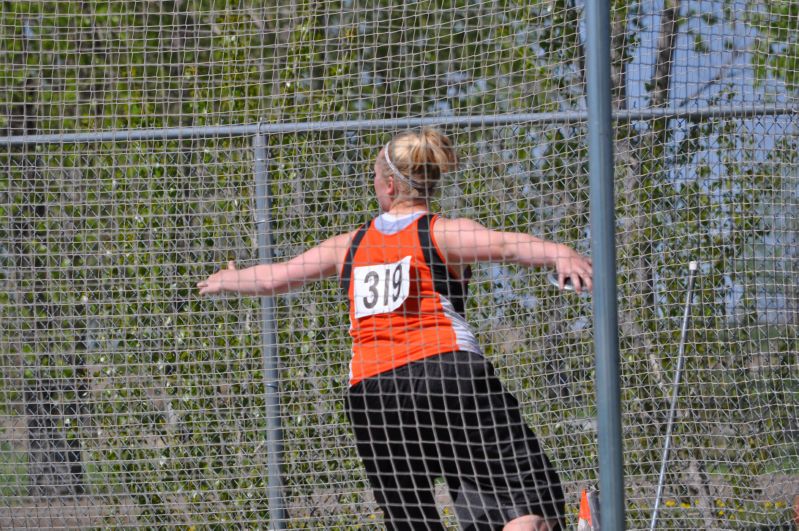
(452, 226)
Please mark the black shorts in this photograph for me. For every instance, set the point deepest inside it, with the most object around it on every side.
(450, 416)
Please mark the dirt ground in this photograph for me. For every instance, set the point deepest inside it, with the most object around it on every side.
(91, 511)
(82, 512)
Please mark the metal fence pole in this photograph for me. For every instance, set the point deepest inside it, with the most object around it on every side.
(603, 250)
(274, 434)
(482, 120)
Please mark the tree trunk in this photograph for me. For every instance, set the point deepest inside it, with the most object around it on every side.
(51, 393)
(667, 38)
(52, 406)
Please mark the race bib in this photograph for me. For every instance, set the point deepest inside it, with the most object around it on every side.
(381, 288)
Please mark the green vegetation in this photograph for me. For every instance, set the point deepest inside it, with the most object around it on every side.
(162, 392)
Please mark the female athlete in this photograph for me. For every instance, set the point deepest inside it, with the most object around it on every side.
(422, 399)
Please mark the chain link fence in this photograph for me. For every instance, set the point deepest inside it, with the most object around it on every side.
(129, 173)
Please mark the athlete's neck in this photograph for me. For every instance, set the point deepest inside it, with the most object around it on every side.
(403, 208)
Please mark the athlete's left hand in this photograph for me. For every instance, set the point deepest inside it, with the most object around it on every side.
(577, 268)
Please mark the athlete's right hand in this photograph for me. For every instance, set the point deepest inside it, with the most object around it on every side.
(222, 280)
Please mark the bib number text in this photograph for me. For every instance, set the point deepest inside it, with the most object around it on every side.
(381, 288)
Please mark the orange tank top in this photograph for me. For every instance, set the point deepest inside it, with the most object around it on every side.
(405, 303)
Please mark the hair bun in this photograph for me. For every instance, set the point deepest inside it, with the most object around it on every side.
(423, 156)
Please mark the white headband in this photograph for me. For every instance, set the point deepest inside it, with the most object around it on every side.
(398, 173)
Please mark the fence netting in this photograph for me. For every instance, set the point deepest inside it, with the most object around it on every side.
(128, 400)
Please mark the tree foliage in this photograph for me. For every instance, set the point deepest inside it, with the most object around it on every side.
(102, 244)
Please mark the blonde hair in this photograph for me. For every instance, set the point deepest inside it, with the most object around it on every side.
(418, 159)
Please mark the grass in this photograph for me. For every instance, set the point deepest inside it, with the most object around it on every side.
(13, 470)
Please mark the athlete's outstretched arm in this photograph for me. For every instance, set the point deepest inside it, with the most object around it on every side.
(465, 241)
(317, 263)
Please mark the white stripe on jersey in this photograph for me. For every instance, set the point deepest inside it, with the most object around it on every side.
(463, 332)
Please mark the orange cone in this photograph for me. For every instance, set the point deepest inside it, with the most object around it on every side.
(584, 522)
(796, 510)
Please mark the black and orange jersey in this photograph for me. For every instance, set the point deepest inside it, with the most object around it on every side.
(405, 303)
